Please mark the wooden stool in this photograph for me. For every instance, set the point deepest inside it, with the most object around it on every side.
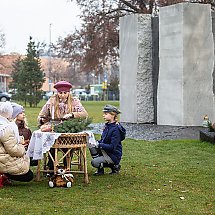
(70, 145)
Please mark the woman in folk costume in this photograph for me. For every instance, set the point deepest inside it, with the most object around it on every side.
(14, 164)
(62, 106)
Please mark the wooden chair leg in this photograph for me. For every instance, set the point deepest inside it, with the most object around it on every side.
(55, 160)
(86, 179)
(80, 159)
(38, 171)
(68, 161)
(44, 162)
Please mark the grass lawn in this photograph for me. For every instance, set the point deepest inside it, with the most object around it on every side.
(157, 177)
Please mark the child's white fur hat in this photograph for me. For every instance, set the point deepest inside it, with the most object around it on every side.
(6, 109)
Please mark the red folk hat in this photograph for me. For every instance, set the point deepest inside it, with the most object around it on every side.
(63, 86)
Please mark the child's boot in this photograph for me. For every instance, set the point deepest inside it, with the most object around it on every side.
(4, 180)
(1, 180)
(100, 171)
(115, 169)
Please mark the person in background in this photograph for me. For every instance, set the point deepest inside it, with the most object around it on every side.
(61, 106)
(14, 164)
(108, 152)
(21, 122)
(24, 131)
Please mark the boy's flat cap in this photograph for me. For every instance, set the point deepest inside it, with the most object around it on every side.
(111, 108)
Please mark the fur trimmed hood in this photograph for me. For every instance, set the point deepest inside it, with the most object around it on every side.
(6, 110)
(5, 123)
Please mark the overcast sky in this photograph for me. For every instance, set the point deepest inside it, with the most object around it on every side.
(20, 19)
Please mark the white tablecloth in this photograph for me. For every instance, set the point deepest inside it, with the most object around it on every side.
(41, 142)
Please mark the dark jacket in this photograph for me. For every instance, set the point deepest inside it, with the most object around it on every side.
(111, 142)
(26, 132)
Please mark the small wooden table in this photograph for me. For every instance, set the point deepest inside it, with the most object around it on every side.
(69, 144)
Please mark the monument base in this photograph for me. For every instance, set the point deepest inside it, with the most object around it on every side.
(208, 136)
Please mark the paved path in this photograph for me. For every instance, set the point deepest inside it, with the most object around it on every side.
(155, 132)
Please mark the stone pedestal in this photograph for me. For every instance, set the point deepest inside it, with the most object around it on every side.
(207, 136)
(185, 86)
(136, 87)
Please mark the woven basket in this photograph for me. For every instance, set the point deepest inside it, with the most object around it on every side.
(71, 140)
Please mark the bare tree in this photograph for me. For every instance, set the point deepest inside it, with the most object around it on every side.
(97, 42)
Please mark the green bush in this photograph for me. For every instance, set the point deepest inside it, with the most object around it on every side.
(73, 125)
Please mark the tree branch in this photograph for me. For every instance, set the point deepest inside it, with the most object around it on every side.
(129, 5)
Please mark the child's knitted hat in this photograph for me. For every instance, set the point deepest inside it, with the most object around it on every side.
(17, 109)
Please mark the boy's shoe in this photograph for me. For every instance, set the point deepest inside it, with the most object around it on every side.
(99, 172)
(115, 169)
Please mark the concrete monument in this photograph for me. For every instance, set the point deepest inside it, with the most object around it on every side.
(136, 87)
(186, 53)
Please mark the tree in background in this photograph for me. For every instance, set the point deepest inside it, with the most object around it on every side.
(16, 75)
(28, 77)
(97, 42)
(95, 46)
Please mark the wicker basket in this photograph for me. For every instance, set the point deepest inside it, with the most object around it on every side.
(71, 140)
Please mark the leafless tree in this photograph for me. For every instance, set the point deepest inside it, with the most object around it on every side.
(96, 44)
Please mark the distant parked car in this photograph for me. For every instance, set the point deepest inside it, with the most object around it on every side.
(47, 95)
(4, 96)
(80, 93)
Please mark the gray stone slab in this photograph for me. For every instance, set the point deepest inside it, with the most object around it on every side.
(207, 136)
(185, 86)
(136, 88)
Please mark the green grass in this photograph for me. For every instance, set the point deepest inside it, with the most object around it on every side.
(95, 108)
(157, 177)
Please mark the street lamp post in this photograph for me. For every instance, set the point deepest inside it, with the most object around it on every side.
(94, 77)
(50, 56)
